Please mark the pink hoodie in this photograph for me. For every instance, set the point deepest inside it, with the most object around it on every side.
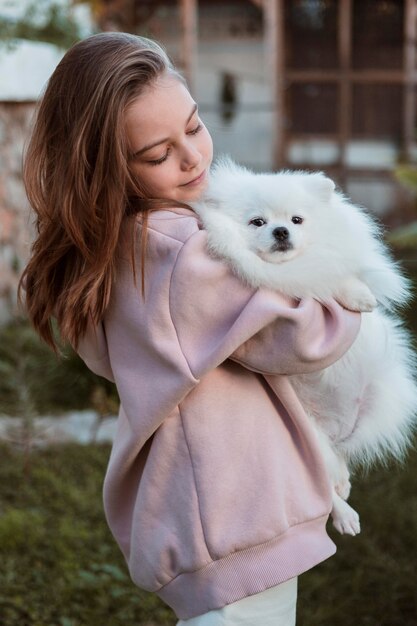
(215, 488)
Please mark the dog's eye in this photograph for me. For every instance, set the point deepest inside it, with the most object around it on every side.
(297, 219)
(257, 221)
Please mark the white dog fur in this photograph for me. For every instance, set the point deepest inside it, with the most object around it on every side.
(364, 405)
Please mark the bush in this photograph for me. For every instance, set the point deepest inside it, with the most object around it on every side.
(33, 380)
(60, 563)
(62, 567)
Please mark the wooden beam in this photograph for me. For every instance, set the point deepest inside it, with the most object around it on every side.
(345, 84)
(409, 115)
(345, 171)
(275, 47)
(189, 40)
(356, 76)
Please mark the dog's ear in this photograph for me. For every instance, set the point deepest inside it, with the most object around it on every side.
(320, 185)
(225, 164)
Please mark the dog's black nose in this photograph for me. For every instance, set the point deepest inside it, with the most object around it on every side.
(281, 233)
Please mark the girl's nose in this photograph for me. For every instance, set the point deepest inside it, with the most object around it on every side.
(190, 158)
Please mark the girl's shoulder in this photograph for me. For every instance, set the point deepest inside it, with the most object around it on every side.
(167, 230)
(177, 223)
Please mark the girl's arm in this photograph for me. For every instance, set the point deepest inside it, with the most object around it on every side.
(195, 315)
(308, 336)
(198, 314)
(217, 317)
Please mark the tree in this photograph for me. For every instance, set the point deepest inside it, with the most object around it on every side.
(44, 20)
(405, 237)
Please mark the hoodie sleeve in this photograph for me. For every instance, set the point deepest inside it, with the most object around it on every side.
(217, 317)
(197, 314)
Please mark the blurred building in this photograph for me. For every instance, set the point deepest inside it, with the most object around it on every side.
(347, 93)
(24, 69)
(311, 84)
(25, 66)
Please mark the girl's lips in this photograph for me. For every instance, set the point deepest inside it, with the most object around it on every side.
(195, 181)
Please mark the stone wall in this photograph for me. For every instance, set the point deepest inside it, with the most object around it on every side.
(16, 228)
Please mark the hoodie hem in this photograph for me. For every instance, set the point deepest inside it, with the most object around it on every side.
(249, 571)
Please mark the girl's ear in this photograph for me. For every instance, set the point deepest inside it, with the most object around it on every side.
(320, 186)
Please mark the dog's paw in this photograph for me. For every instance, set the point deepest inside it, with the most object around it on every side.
(342, 480)
(343, 488)
(364, 304)
(354, 295)
(345, 519)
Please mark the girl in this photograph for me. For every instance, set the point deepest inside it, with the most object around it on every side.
(215, 490)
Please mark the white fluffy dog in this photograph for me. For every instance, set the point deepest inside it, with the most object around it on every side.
(293, 232)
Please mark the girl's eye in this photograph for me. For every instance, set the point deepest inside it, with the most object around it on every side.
(297, 219)
(195, 130)
(161, 160)
(257, 221)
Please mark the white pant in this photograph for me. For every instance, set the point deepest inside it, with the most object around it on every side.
(273, 607)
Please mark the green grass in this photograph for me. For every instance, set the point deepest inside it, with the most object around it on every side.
(34, 382)
(60, 565)
(371, 581)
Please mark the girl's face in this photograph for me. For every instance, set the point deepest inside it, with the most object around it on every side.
(171, 149)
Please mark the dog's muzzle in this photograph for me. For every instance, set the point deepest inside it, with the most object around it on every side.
(282, 237)
(280, 233)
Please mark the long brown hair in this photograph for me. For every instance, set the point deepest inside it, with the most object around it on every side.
(77, 177)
